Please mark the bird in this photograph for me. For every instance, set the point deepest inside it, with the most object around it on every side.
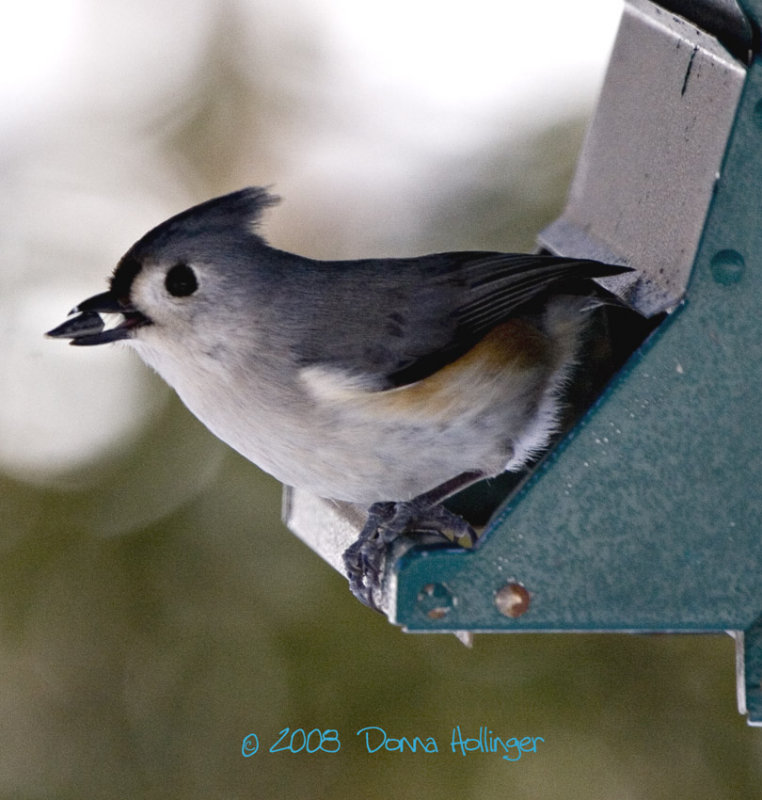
(390, 382)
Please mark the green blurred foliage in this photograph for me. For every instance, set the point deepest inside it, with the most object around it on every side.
(154, 610)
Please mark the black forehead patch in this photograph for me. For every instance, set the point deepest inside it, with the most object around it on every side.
(124, 275)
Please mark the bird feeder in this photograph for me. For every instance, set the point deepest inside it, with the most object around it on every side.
(647, 516)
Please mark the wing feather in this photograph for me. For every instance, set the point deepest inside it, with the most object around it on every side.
(403, 319)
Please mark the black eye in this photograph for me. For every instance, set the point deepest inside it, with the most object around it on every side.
(181, 281)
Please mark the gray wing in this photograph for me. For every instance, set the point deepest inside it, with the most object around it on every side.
(391, 322)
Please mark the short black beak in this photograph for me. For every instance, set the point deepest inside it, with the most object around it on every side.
(88, 327)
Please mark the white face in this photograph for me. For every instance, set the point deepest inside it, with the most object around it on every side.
(191, 313)
(174, 296)
(169, 294)
(200, 333)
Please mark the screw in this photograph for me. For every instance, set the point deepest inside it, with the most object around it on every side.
(512, 600)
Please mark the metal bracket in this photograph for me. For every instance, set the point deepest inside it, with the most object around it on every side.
(652, 154)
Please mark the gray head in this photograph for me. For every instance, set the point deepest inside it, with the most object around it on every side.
(177, 270)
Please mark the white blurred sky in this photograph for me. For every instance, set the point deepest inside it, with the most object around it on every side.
(400, 83)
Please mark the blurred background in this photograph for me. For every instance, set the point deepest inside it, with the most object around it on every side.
(153, 609)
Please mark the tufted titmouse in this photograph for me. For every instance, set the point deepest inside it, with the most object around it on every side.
(392, 382)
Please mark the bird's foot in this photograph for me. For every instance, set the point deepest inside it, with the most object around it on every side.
(365, 560)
